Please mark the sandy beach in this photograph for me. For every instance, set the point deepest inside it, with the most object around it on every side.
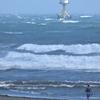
(5, 97)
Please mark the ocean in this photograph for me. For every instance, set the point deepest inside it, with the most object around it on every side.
(45, 57)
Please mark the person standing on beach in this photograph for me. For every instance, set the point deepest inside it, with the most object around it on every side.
(88, 92)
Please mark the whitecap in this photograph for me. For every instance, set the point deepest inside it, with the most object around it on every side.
(65, 85)
(9, 32)
(48, 19)
(6, 85)
(61, 19)
(19, 17)
(38, 88)
(74, 49)
(43, 24)
(30, 22)
(32, 61)
(14, 32)
(35, 92)
(86, 16)
(70, 21)
(83, 82)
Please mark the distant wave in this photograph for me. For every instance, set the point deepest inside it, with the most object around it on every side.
(14, 32)
(74, 49)
(30, 22)
(86, 16)
(48, 19)
(44, 84)
(43, 24)
(32, 61)
(19, 17)
(70, 21)
(82, 82)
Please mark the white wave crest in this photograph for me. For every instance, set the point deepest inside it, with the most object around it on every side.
(70, 21)
(48, 19)
(75, 49)
(19, 17)
(65, 85)
(86, 16)
(62, 85)
(83, 82)
(14, 32)
(5, 85)
(32, 61)
(42, 24)
(30, 22)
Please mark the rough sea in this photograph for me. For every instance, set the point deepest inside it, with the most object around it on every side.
(45, 57)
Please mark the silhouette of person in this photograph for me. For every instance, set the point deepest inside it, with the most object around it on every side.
(88, 92)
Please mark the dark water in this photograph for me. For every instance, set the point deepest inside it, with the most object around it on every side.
(41, 56)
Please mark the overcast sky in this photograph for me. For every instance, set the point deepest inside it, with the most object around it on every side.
(49, 6)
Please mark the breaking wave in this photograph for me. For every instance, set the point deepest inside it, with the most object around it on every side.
(74, 49)
(32, 61)
(41, 85)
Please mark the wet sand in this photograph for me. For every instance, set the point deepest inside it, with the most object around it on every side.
(5, 97)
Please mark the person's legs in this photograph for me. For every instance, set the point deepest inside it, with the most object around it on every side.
(88, 95)
(88, 99)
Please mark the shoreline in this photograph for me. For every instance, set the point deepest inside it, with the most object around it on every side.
(6, 97)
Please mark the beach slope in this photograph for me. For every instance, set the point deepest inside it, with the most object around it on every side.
(5, 97)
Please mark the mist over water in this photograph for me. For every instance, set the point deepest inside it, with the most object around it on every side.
(49, 57)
